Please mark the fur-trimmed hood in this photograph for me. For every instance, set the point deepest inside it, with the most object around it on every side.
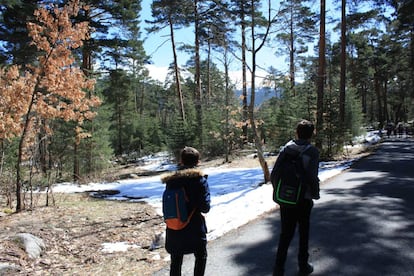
(186, 173)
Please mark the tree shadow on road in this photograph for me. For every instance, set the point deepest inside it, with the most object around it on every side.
(366, 230)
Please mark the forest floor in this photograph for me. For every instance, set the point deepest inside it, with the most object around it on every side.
(76, 226)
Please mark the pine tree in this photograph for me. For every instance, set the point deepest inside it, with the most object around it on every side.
(255, 48)
(321, 75)
(297, 29)
(172, 14)
(108, 50)
(15, 47)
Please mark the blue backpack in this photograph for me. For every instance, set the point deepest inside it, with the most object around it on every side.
(174, 208)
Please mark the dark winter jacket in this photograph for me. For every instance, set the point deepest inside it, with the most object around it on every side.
(310, 164)
(193, 236)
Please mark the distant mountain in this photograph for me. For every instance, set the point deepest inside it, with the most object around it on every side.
(262, 94)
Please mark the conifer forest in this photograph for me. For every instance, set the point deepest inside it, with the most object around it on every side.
(76, 95)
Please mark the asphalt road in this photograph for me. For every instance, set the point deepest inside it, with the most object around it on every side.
(363, 225)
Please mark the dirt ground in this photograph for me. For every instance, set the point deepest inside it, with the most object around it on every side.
(75, 228)
(74, 231)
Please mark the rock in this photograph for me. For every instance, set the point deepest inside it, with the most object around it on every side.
(31, 244)
(9, 269)
(157, 241)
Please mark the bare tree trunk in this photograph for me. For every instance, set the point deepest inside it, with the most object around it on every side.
(412, 59)
(26, 122)
(119, 120)
(177, 71)
(43, 151)
(377, 89)
(18, 177)
(343, 68)
(87, 70)
(75, 162)
(208, 92)
(257, 140)
(292, 53)
(141, 100)
(227, 115)
(198, 106)
(244, 75)
(385, 94)
(321, 77)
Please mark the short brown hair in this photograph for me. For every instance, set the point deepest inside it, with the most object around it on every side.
(189, 156)
(305, 129)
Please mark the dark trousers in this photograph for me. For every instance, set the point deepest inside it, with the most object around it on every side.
(290, 216)
(199, 267)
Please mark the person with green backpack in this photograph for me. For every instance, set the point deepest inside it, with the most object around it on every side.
(295, 181)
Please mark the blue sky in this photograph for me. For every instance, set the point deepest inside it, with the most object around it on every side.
(158, 46)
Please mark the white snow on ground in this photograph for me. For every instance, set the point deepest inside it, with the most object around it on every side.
(236, 194)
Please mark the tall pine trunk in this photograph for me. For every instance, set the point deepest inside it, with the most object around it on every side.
(321, 77)
(227, 111)
(176, 71)
(377, 89)
(343, 69)
(292, 53)
(244, 74)
(257, 139)
(197, 77)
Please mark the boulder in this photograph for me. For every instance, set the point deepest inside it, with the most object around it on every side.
(31, 244)
(9, 269)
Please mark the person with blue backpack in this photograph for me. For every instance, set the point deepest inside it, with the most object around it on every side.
(186, 235)
(298, 161)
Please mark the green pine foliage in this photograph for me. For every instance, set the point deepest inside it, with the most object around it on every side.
(119, 98)
(15, 43)
(332, 132)
(154, 140)
(95, 152)
(61, 150)
(180, 134)
(141, 116)
(8, 158)
(354, 116)
(281, 113)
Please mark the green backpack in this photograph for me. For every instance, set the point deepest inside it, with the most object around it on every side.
(288, 184)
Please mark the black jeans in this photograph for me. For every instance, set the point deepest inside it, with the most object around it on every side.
(290, 216)
(199, 267)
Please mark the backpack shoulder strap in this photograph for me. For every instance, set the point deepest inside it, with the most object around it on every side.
(308, 146)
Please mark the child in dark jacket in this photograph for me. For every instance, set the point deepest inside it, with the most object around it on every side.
(191, 239)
